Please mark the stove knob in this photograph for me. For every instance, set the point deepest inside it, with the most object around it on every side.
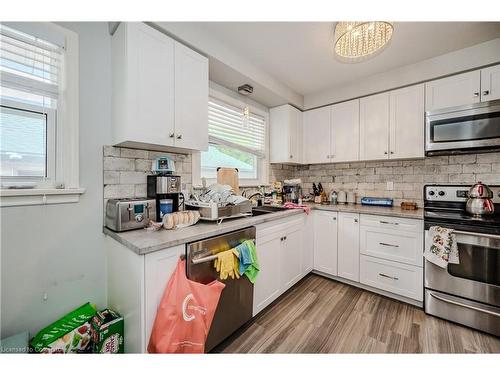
(441, 193)
(431, 193)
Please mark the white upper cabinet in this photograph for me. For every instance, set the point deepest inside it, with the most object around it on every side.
(374, 127)
(392, 124)
(191, 99)
(453, 91)
(317, 124)
(407, 122)
(490, 83)
(345, 131)
(143, 86)
(286, 135)
(159, 90)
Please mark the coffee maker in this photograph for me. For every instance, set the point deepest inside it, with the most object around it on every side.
(164, 187)
(291, 193)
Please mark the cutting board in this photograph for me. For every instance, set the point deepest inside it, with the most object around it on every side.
(229, 176)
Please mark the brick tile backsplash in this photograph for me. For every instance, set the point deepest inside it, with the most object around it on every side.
(125, 171)
(408, 176)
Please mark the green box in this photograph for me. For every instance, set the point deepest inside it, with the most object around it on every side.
(107, 332)
(70, 334)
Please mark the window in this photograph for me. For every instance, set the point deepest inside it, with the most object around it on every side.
(236, 140)
(38, 110)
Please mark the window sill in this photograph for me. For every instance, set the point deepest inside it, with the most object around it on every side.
(35, 197)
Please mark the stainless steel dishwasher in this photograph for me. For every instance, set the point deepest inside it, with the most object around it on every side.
(236, 301)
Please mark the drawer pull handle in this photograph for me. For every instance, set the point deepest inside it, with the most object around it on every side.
(388, 222)
(388, 244)
(389, 277)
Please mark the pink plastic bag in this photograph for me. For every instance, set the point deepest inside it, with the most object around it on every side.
(185, 314)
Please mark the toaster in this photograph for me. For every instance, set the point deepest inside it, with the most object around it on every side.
(128, 214)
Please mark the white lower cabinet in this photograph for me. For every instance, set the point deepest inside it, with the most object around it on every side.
(158, 267)
(267, 286)
(399, 240)
(280, 254)
(291, 257)
(325, 242)
(348, 246)
(393, 277)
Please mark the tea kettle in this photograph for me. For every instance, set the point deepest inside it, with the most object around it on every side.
(480, 200)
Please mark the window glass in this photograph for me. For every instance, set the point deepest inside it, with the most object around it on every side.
(23, 143)
(224, 156)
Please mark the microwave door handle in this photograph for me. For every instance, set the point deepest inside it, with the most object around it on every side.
(446, 300)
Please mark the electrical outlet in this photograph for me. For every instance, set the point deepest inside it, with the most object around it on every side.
(390, 185)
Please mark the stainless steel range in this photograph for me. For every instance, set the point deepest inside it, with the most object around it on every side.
(467, 293)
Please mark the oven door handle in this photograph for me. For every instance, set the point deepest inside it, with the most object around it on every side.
(464, 305)
(493, 236)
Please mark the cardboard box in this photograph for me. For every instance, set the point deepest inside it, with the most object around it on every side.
(70, 334)
(107, 332)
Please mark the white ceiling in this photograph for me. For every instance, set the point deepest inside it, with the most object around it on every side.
(300, 54)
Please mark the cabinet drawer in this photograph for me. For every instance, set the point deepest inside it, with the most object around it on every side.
(393, 277)
(399, 246)
(392, 223)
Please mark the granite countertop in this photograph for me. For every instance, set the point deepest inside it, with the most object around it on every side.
(143, 242)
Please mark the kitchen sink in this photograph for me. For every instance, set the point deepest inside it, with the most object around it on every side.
(263, 210)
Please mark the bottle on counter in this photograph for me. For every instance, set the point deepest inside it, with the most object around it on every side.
(333, 197)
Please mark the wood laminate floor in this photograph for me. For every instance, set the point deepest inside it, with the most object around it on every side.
(319, 315)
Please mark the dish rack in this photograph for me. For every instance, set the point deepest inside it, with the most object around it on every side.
(212, 211)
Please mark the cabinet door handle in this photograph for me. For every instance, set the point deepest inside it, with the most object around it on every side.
(385, 152)
(355, 220)
(387, 222)
(291, 156)
(392, 152)
(171, 135)
(334, 218)
(285, 238)
(387, 276)
(179, 136)
(486, 92)
(388, 244)
(476, 94)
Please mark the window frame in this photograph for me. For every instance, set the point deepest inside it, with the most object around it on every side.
(263, 163)
(66, 185)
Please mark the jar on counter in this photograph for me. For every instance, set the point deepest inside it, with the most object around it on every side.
(333, 197)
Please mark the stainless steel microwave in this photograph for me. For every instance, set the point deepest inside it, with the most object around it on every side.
(463, 129)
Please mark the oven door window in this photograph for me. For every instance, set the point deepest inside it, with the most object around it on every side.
(479, 259)
(467, 128)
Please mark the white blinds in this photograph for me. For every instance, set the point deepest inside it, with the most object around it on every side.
(29, 63)
(227, 125)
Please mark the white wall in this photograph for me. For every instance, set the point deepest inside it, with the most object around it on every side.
(450, 63)
(59, 249)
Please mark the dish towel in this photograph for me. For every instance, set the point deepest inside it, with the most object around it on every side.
(227, 264)
(441, 247)
(306, 209)
(251, 270)
(245, 257)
